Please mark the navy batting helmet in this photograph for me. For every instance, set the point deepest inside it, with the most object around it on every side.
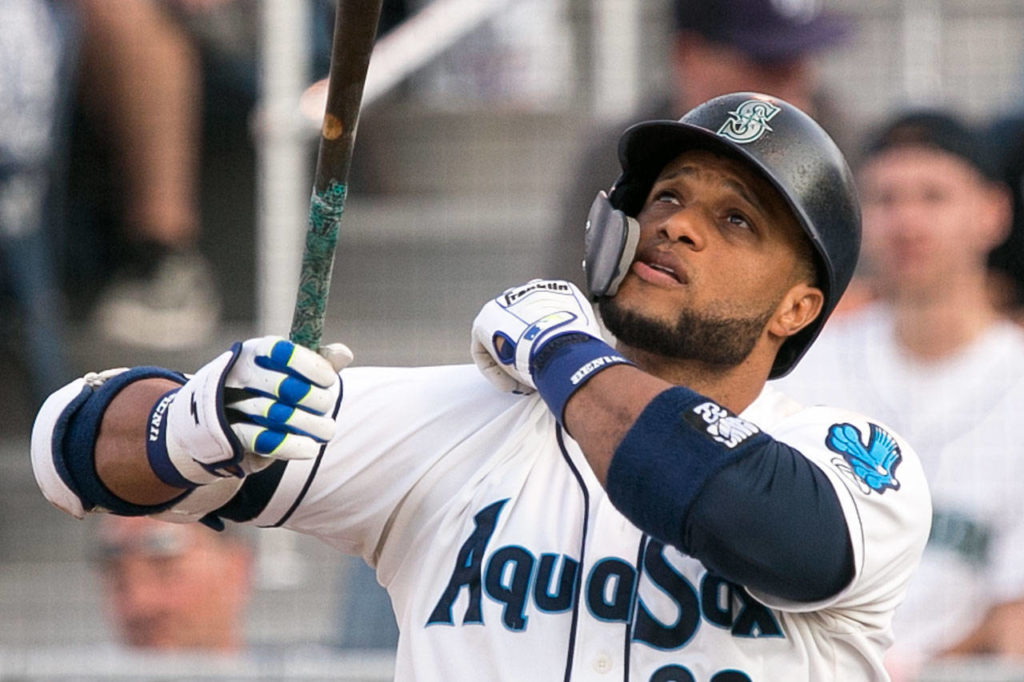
(789, 149)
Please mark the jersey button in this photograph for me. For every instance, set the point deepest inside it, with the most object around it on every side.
(603, 663)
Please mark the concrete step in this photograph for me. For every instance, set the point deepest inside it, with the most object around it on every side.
(404, 149)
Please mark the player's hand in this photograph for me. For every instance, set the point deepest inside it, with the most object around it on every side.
(264, 399)
(510, 329)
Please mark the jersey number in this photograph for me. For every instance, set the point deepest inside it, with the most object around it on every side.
(677, 673)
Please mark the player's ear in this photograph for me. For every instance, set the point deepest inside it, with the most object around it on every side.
(798, 308)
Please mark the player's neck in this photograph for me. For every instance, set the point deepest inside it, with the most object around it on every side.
(734, 388)
(932, 327)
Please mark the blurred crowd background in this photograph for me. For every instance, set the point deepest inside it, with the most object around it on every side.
(156, 160)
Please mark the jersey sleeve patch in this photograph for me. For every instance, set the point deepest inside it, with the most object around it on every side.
(871, 465)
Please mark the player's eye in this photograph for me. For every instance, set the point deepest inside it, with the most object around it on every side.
(666, 196)
(739, 220)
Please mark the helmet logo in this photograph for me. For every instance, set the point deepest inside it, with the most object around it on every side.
(749, 122)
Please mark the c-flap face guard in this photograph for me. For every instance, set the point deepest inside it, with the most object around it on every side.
(609, 246)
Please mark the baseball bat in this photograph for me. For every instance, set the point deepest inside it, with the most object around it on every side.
(355, 27)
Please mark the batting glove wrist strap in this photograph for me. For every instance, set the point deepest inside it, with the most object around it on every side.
(565, 363)
(156, 445)
(190, 423)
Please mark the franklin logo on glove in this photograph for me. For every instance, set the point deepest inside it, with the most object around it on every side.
(513, 295)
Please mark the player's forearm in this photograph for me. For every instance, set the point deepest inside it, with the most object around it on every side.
(120, 452)
(142, 441)
(599, 414)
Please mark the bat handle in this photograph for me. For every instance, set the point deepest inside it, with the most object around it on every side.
(325, 209)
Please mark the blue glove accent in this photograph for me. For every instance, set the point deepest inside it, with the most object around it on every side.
(75, 441)
(279, 413)
(267, 442)
(565, 363)
(275, 420)
(282, 353)
(156, 445)
(678, 442)
(506, 351)
(293, 390)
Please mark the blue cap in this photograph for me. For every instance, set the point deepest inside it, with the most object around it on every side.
(773, 30)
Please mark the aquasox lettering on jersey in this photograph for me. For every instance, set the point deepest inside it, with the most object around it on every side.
(529, 586)
(505, 560)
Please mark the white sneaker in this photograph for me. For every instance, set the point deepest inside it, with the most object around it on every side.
(175, 307)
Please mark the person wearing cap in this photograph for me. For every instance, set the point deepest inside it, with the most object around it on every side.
(717, 47)
(763, 45)
(934, 358)
(173, 587)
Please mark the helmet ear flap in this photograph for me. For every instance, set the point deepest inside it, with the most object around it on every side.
(609, 246)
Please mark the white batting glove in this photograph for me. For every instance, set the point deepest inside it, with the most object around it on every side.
(265, 399)
(510, 329)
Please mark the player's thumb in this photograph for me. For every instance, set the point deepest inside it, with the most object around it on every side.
(338, 354)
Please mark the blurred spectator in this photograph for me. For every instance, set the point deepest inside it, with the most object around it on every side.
(935, 360)
(141, 89)
(521, 57)
(175, 587)
(164, 163)
(719, 46)
(37, 39)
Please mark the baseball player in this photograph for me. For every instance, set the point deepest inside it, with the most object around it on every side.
(649, 511)
(933, 357)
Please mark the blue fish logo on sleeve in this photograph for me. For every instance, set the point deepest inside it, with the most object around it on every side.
(873, 465)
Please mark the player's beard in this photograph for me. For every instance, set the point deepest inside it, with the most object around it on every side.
(719, 340)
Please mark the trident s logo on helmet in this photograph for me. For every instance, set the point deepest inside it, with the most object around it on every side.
(749, 121)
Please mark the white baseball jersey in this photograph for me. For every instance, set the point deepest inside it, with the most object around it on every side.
(505, 560)
(962, 415)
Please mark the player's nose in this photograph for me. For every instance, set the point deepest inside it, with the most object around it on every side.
(687, 225)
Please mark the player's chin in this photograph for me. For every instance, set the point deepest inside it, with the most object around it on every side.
(632, 306)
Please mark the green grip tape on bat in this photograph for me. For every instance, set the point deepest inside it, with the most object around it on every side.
(325, 209)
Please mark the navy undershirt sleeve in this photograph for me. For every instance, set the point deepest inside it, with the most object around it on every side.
(772, 522)
(754, 510)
